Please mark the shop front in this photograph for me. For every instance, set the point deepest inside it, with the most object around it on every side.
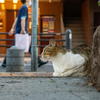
(49, 16)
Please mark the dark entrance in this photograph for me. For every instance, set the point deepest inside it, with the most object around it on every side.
(72, 8)
(96, 20)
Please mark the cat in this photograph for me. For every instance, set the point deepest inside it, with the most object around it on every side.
(74, 62)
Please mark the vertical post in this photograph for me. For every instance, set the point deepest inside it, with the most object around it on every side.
(37, 5)
(68, 38)
(34, 49)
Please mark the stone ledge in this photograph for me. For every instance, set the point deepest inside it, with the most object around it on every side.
(26, 74)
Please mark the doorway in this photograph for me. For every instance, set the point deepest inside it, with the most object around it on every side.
(96, 20)
(10, 18)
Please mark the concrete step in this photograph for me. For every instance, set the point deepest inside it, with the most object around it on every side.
(78, 39)
(74, 29)
(73, 25)
(78, 43)
(78, 35)
(82, 38)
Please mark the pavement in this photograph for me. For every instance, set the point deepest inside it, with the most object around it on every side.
(47, 89)
(41, 85)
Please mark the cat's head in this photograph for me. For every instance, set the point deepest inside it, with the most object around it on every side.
(50, 50)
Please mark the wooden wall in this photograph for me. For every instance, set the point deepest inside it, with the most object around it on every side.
(85, 19)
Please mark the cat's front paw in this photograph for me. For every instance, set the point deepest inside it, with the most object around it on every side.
(56, 74)
(63, 74)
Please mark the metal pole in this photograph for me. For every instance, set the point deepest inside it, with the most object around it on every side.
(34, 48)
(37, 4)
(68, 38)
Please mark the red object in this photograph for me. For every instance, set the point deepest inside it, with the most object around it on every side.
(58, 34)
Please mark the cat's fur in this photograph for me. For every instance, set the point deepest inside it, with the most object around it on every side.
(75, 62)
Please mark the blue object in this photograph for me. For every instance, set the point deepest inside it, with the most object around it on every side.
(23, 13)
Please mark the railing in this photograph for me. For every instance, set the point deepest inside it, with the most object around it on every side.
(67, 40)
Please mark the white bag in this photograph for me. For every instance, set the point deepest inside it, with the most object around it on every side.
(23, 41)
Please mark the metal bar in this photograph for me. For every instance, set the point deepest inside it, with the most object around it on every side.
(46, 45)
(7, 39)
(49, 39)
(5, 45)
(38, 40)
(1, 33)
(5, 55)
(37, 46)
(38, 33)
(34, 49)
(68, 38)
(52, 34)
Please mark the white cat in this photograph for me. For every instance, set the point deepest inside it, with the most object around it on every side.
(67, 62)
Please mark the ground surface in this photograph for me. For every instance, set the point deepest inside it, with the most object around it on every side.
(47, 89)
(32, 88)
(27, 66)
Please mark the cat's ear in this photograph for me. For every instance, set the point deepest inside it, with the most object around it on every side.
(52, 42)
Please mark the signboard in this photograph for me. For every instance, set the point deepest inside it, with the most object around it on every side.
(51, 25)
(47, 24)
